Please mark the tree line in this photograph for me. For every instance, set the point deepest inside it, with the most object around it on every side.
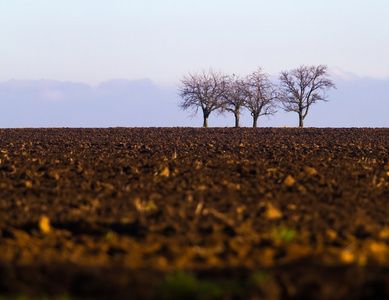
(212, 91)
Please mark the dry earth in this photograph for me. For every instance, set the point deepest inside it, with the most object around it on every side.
(281, 213)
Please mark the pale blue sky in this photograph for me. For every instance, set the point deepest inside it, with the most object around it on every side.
(93, 41)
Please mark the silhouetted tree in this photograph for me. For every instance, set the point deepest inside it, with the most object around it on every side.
(204, 90)
(234, 96)
(302, 87)
(261, 95)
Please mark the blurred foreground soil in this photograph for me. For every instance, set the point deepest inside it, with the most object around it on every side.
(145, 213)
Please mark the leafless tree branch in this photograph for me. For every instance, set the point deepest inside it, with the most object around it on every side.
(261, 95)
(204, 90)
(302, 87)
(234, 97)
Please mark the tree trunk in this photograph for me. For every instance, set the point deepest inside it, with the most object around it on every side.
(301, 120)
(205, 124)
(236, 120)
(255, 121)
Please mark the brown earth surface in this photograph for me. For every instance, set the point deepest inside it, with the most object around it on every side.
(217, 213)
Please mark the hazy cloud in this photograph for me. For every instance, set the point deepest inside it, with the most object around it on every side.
(52, 95)
(117, 102)
(338, 72)
(357, 102)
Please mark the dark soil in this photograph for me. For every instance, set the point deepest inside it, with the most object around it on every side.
(281, 213)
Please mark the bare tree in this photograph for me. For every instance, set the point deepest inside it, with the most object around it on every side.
(302, 87)
(261, 95)
(234, 96)
(204, 90)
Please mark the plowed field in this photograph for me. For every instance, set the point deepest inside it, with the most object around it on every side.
(218, 213)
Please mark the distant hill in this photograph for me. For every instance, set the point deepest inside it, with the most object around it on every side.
(357, 102)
